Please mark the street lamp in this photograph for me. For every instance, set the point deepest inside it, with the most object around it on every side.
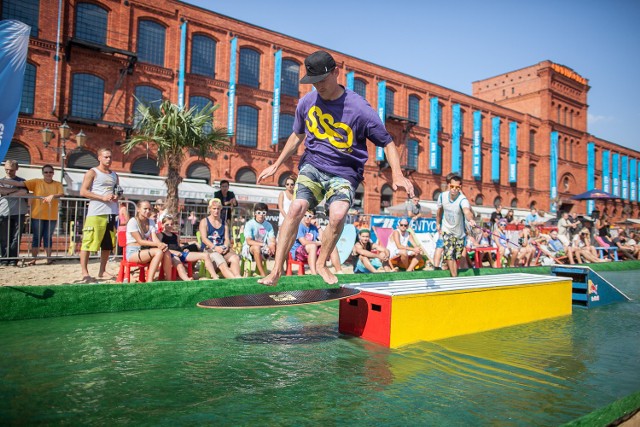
(65, 134)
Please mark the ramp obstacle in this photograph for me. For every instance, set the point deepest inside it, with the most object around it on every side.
(401, 312)
(589, 289)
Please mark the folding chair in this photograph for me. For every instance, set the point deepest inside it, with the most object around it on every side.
(124, 272)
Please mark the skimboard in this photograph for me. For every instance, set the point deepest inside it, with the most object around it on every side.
(279, 299)
(346, 242)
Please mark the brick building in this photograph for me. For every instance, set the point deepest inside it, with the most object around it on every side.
(110, 54)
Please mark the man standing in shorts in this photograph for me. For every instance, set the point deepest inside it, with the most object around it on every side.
(334, 123)
(100, 185)
(453, 208)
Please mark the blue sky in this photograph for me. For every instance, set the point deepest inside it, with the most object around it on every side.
(453, 43)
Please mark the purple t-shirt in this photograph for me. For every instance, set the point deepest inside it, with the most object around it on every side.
(337, 132)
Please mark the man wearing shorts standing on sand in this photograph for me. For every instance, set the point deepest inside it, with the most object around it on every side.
(100, 185)
(334, 123)
(453, 208)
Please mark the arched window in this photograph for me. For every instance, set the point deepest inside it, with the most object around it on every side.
(497, 201)
(27, 11)
(532, 176)
(532, 141)
(389, 101)
(82, 159)
(199, 170)
(28, 90)
(285, 127)
(290, 78)
(19, 153)
(360, 87)
(200, 102)
(87, 96)
(247, 128)
(151, 40)
(533, 204)
(479, 201)
(148, 96)
(514, 203)
(359, 196)
(203, 55)
(91, 23)
(386, 197)
(412, 154)
(145, 166)
(249, 73)
(246, 176)
(436, 194)
(414, 108)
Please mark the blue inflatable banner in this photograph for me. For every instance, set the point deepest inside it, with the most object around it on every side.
(476, 163)
(456, 134)
(606, 171)
(495, 149)
(553, 166)
(232, 86)
(633, 176)
(434, 148)
(181, 65)
(382, 113)
(615, 174)
(277, 72)
(420, 225)
(591, 174)
(625, 177)
(350, 80)
(14, 43)
(513, 152)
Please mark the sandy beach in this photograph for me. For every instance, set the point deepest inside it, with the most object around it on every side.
(58, 273)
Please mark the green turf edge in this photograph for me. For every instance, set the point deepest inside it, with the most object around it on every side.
(36, 302)
(614, 413)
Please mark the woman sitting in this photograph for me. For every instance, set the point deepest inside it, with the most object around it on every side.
(216, 242)
(583, 247)
(372, 257)
(404, 251)
(143, 245)
(181, 254)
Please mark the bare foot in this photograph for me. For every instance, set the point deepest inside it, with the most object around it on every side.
(326, 274)
(270, 280)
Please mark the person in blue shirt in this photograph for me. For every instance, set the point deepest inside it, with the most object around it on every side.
(259, 238)
(533, 218)
(307, 246)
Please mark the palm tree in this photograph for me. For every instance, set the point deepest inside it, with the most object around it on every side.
(175, 132)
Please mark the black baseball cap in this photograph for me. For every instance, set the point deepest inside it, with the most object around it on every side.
(319, 65)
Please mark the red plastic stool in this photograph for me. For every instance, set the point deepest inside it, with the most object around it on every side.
(291, 262)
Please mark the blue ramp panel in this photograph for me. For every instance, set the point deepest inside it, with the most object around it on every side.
(589, 288)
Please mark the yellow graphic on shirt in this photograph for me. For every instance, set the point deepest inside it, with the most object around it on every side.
(324, 127)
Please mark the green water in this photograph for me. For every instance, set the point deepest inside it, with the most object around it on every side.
(291, 366)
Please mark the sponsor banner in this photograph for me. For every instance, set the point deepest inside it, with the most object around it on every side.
(275, 122)
(495, 149)
(606, 171)
(456, 133)
(476, 163)
(350, 80)
(513, 152)
(633, 184)
(591, 174)
(625, 177)
(615, 174)
(435, 156)
(232, 86)
(382, 113)
(553, 166)
(14, 43)
(181, 66)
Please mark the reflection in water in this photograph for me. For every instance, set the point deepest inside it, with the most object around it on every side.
(291, 366)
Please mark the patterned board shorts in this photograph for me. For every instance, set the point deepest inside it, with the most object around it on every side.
(314, 186)
(453, 246)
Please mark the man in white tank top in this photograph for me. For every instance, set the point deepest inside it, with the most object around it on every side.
(453, 208)
(100, 185)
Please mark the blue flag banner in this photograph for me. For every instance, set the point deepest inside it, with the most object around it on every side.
(553, 175)
(434, 148)
(625, 177)
(633, 176)
(513, 152)
(495, 149)
(350, 80)
(277, 72)
(382, 112)
(456, 133)
(615, 174)
(181, 66)
(476, 163)
(591, 174)
(232, 86)
(14, 42)
(606, 171)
